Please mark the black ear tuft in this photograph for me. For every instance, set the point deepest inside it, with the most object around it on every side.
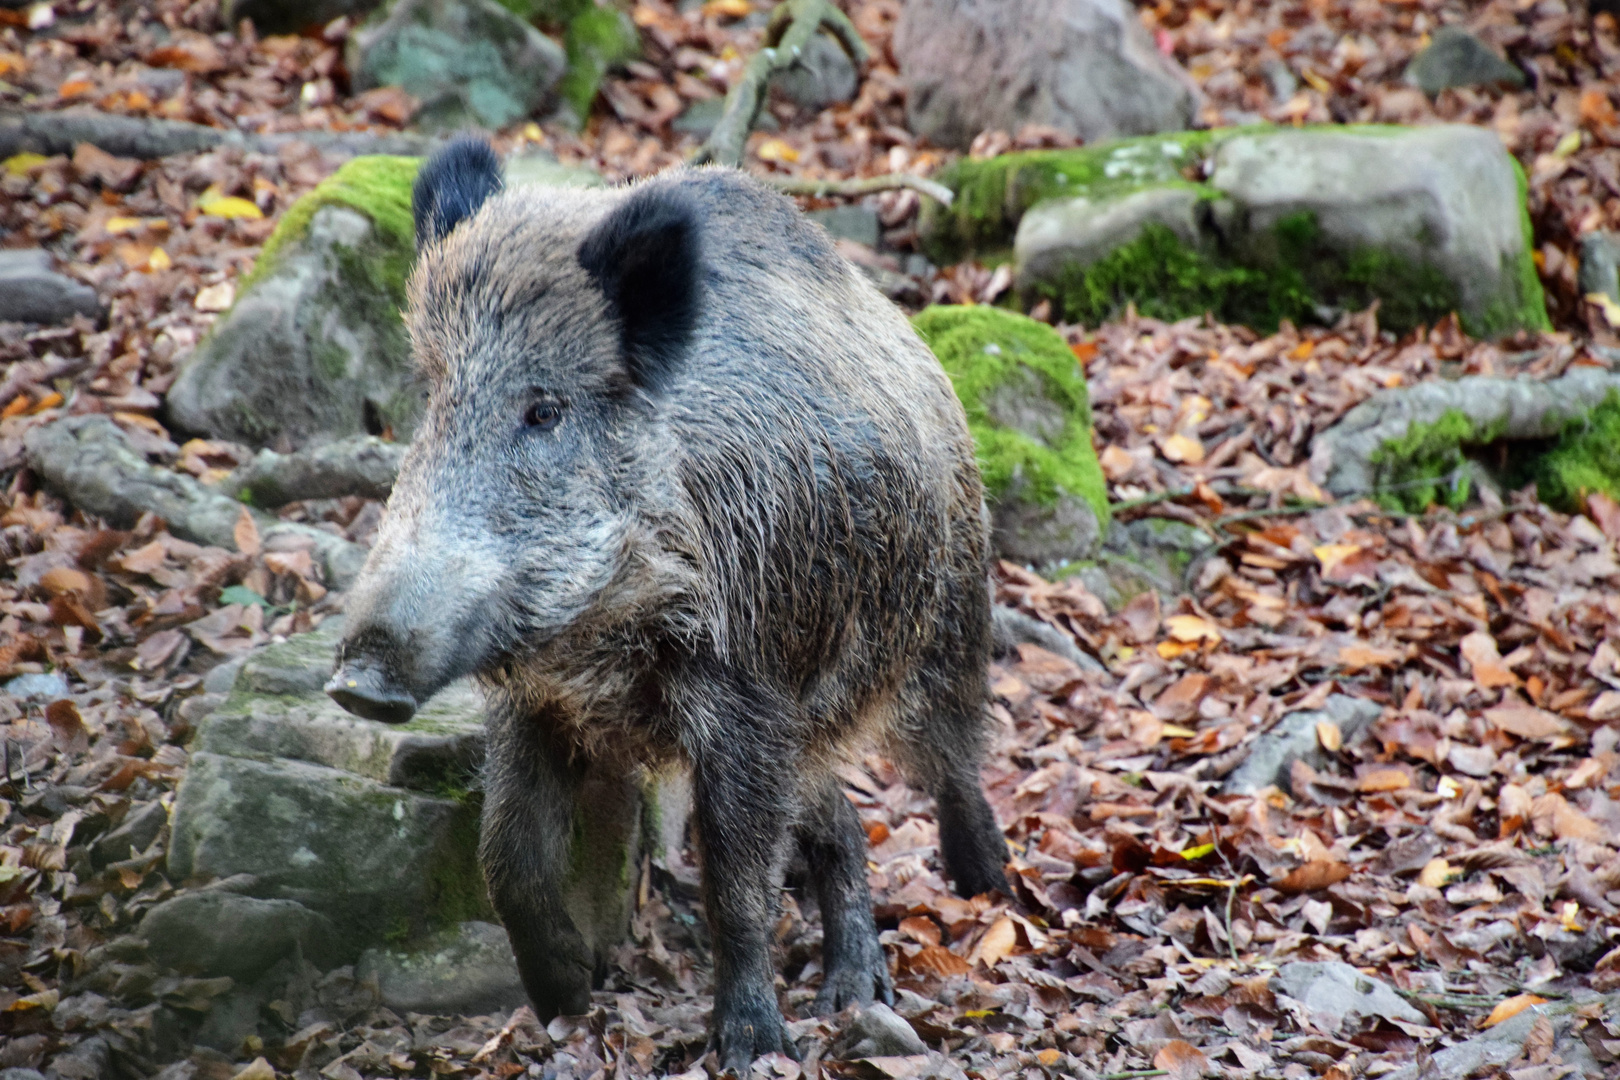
(647, 256)
(452, 185)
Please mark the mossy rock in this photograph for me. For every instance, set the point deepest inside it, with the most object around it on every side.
(1257, 225)
(314, 349)
(1585, 461)
(1030, 416)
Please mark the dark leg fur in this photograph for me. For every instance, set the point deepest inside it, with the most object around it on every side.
(527, 825)
(743, 813)
(857, 971)
(940, 748)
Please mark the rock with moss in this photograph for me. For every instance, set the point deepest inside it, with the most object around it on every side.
(373, 828)
(1027, 407)
(471, 63)
(314, 349)
(1415, 446)
(1259, 225)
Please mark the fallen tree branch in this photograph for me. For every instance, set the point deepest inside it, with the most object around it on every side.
(791, 27)
(363, 466)
(146, 138)
(89, 461)
(862, 185)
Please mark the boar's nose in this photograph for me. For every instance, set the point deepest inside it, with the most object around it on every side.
(365, 689)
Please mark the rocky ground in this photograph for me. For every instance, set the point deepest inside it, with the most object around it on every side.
(1337, 798)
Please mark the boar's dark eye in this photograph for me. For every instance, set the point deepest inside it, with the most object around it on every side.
(543, 415)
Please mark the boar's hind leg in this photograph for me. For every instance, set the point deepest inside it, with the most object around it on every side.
(940, 747)
(527, 824)
(742, 779)
(857, 971)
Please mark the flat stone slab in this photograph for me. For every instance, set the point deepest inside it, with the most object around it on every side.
(378, 861)
(462, 970)
(30, 291)
(277, 708)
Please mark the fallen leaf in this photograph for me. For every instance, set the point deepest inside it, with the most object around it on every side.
(246, 533)
(1317, 874)
(257, 1069)
(1182, 449)
(998, 942)
(1437, 873)
(67, 727)
(216, 297)
(1329, 735)
(1192, 628)
(938, 961)
(1181, 1060)
(1526, 721)
(65, 579)
(1480, 650)
(1331, 556)
(229, 206)
(1508, 1008)
(1384, 780)
(776, 150)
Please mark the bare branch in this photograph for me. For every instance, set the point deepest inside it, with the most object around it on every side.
(862, 185)
(792, 25)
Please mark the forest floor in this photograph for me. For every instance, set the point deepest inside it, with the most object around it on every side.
(1464, 854)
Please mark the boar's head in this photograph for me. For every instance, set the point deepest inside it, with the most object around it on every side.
(549, 324)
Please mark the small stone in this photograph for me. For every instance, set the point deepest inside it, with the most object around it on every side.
(30, 291)
(36, 686)
(1455, 57)
(469, 62)
(1293, 738)
(1339, 990)
(822, 75)
(135, 833)
(1600, 264)
(467, 969)
(219, 933)
(878, 1031)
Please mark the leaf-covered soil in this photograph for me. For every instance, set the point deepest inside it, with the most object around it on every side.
(1463, 851)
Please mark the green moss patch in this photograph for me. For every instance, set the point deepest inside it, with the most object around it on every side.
(377, 186)
(1584, 461)
(597, 40)
(992, 194)
(989, 351)
(1428, 465)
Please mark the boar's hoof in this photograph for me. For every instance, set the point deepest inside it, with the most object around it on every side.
(857, 981)
(556, 971)
(364, 690)
(747, 1031)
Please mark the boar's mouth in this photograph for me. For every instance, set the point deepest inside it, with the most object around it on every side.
(365, 690)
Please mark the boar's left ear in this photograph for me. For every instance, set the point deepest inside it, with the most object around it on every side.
(452, 185)
(647, 257)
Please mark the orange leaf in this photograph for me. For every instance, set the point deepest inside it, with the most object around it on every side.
(938, 961)
(246, 533)
(1355, 657)
(1508, 1008)
(1384, 780)
(921, 929)
(997, 943)
(1479, 649)
(1435, 874)
(1084, 351)
(1316, 874)
(1182, 449)
(74, 88)
(1182, 1060)
(64, 579)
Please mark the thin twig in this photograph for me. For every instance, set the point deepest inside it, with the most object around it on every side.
(862, 185)
(1134, 1073)
(792, 25)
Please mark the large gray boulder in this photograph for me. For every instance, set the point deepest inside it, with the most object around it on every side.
(1085, 67)
(314, 349)
(471, 63)
(216, 933)
(30, 291)
(367, 828)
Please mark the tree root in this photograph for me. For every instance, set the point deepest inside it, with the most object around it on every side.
(363, 466)
(791, 27)
(53, 133)
(861, 185)
(89, 462)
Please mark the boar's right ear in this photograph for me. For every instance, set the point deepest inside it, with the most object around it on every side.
(452, 185)
(647, 257)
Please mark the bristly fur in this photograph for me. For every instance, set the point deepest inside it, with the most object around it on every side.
(647, 257)
(688, 487)
(451, 186)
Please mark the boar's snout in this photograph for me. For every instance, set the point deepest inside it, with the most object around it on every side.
(363, 687)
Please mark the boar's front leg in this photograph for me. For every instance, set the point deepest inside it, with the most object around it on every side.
(527, 825)
(742, 773)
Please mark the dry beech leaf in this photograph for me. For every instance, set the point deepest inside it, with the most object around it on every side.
(921, 929)
(938, 961)
(1508, 1008)
(246, 534)
(1182, 1060)
(1384, 780)
(1526, 721)
(1316, 874)
(997, 944)
(1435, 874)
(1182, 449)
(1480, 650)
(67, 727)
(1329, 735)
